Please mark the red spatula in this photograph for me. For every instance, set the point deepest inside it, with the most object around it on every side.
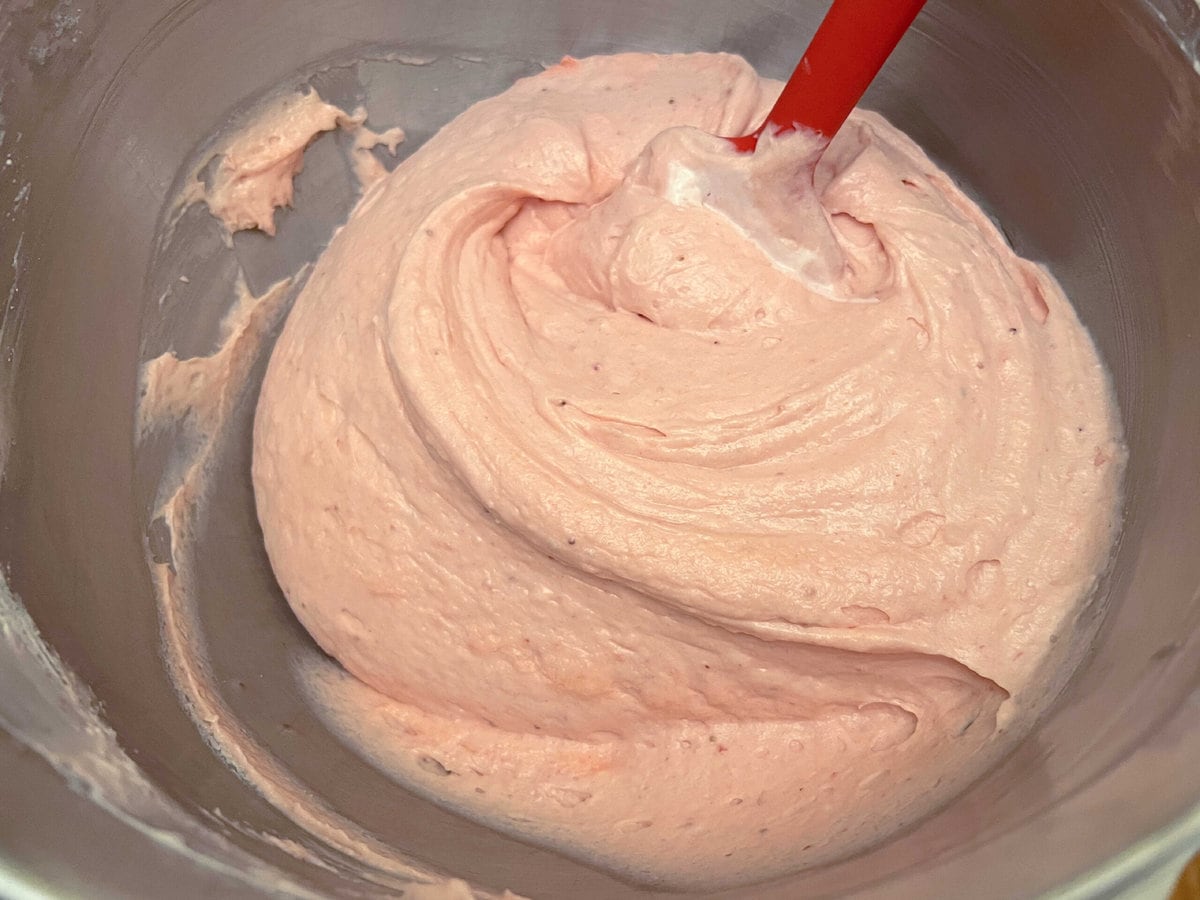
(849, 48)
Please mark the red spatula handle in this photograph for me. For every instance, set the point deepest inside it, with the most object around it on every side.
(849, 48)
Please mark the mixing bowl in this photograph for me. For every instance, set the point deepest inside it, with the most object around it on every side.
(1077, 126)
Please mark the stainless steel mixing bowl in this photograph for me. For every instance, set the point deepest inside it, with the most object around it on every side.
(1076, 124)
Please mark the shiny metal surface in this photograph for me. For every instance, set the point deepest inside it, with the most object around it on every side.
(1076, 125)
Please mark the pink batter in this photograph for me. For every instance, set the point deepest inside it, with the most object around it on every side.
(707, 538)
